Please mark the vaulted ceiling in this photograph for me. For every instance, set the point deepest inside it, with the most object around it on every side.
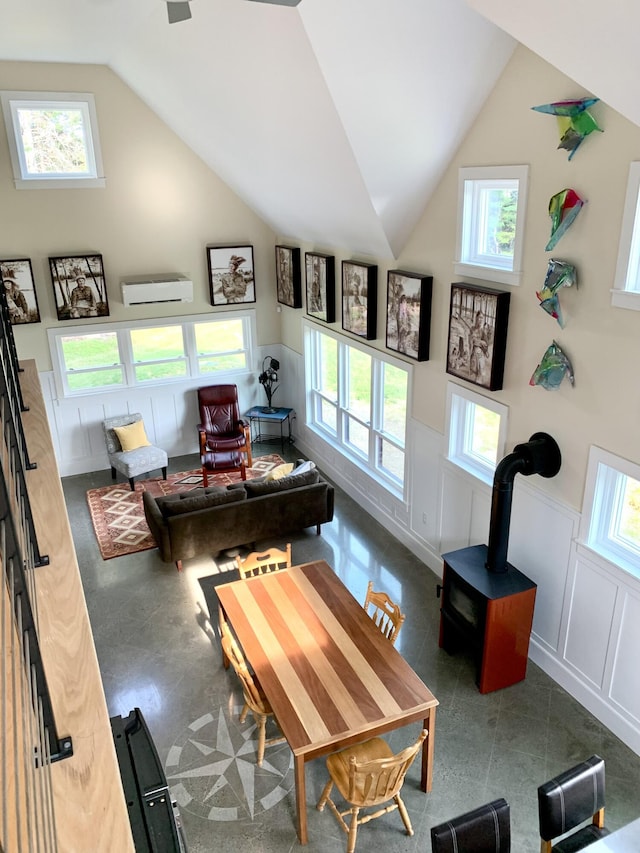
(335, 119)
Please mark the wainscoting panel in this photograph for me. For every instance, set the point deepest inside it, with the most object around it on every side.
(542, 532)
(425, 451)
(625, 681)
(591, 611)
(465, 509)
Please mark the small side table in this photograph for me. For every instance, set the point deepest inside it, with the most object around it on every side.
(257, 417)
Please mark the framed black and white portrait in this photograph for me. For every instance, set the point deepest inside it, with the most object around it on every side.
(20, 291)
(478, 318)
(288, 276)
(79, 287)
(359, 298)
(231, 276)
(409, 313)
(321, 286)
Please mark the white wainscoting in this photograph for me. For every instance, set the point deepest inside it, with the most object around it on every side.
(170, 414)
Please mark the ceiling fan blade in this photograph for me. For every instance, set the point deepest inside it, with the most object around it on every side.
(279, 2)
(178, 11)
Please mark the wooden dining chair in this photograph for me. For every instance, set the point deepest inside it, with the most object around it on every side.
(384, 612)
(368, 775)
(262, 562)
(254, 698)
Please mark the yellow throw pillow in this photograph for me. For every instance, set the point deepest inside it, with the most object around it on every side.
(278, 472)
(132, 437)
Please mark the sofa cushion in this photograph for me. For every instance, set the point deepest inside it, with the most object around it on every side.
(278, 472)
(198, 499)
(254, 488)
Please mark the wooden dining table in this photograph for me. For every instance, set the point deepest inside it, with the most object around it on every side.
(331, 677)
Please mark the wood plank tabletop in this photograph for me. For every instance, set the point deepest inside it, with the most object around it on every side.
(331, 677)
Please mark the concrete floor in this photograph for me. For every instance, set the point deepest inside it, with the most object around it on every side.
(157, 651)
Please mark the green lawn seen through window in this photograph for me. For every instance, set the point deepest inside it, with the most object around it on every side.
(82, 351)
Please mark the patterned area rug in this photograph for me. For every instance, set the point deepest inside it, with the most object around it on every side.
(117, 513)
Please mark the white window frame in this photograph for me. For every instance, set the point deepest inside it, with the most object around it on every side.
(471, 179)
(626, 286)
(460, 404)
(127, 364)
(339, 438)
(606, 481)
(23, 179)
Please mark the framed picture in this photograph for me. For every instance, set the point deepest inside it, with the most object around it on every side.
(321, 286)
(79, 287)
(288, 276)
(359, 298)
(231, 274)
(409, 313)
(20, 291)
(478, 319)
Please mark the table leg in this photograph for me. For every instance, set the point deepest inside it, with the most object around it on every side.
(428, 745)
(301, 798)
(221, 619)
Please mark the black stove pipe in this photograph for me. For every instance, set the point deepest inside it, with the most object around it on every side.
(540, 455)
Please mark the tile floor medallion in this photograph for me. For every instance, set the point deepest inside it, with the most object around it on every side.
(212, 772)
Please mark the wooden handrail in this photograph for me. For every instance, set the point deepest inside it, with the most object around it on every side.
(76, 804)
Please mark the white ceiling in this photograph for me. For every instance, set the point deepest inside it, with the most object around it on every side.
(335, 119)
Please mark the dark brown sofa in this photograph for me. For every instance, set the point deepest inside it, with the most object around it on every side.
(205, 521)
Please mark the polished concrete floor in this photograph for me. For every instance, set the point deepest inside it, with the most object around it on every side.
(157, 651)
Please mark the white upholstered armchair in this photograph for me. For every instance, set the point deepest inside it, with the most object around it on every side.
(129, 449)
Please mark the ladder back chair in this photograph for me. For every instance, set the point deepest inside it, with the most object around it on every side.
(368, 775)
(262, 562)
(254, 698)
(486, 829)
(567, 801)
(384, 612)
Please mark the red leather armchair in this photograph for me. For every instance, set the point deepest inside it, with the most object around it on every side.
(225, 439)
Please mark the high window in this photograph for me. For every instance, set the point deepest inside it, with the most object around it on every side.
(90, 359)
(626, 288)
(357, 400)
(53, 139)
(476, 429)
(491, 208)
(611, 518)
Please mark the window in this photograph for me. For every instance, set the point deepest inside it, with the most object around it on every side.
(477, 429)
(357, 400)
(491, 207)
(89, 359)
(626, 287)
(53, 139)
(611, 520)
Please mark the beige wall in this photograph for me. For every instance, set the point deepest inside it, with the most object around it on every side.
(602, 342)
(160, 208)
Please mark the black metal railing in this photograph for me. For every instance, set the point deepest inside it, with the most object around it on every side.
(21, 556)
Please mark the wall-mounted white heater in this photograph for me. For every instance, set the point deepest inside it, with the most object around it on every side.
(170, 287)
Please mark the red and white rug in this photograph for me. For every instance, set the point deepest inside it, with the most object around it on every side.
(118, 517)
